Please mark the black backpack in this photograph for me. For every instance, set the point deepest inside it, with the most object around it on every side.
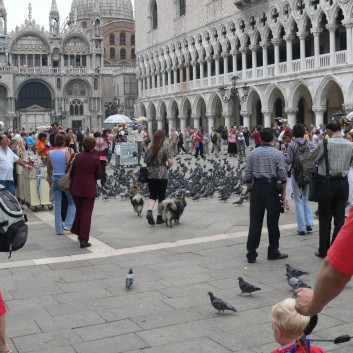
(303, 167)
(13, 230)
(214, 138)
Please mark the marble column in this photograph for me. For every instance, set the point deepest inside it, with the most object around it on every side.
(275, 43)
(349, 41)
(201, 62)
(319, 115)
(246, 118)
(210, 122)
(175, 71)
(150, 132)
(316, 33)
(209, 70)
(292, 116)
(264, 46)
(181, 74)
(254, 49)
(332, 30)
(302, 36)
(139, 86)
(159, 123)
(182, 123)
(196, 119)
(225, 65)
(169, 71)
(243, 60)
(234, 58)
(289, 50)
(227, 121)
(216, 57)
(267, 117)
(194, 73)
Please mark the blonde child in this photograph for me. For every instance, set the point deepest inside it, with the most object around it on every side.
(287, 326)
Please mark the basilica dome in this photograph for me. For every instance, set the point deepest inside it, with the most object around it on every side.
(107, 8)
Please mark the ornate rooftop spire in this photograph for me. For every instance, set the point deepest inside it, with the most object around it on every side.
(54, 9)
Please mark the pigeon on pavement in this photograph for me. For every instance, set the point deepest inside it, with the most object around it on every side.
(247, 287)
(129, 279)
(219, 304)
(296, 283)
(295, 272)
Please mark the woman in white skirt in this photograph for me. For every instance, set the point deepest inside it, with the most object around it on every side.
(282, 146)
(349, 137)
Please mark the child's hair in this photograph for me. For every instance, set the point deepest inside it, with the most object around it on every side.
(287, 319)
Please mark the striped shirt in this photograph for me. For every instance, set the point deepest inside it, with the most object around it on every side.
(340, 154)
(265, 162)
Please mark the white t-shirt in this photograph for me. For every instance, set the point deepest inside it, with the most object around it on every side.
(139, 136)
(6, 163)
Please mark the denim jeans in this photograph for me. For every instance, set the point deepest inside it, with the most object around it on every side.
(302, 206)
(9, 185)
(71, 209)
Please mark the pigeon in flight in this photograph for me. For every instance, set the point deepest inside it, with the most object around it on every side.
(247, 287)
(295, 272)
(219, 304)
(129, 279)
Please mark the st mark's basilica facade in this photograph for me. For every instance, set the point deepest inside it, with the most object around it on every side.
(77, 72)
(294, 57)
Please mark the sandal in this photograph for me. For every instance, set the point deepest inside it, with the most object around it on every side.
(5, 348)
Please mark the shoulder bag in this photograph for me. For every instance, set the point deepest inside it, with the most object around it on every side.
(143, 174)
(65, 181)
(320, 185)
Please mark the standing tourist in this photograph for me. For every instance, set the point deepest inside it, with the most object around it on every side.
(102, 151)
(265, 165)
(140, 136)
(7, 160)
(246, 134)
(256, 136)
(198, 141)
(349, 136)
(52, 136)
(216, 141)
(173, 142)
(240, 141)
(158, 160)
(340, 152)
(57, 162)
(79, 136)
(181, 142)
(206, 141)
(300, 192)
(72, 142)
(85, 172)
(232, 143)
(42, 146)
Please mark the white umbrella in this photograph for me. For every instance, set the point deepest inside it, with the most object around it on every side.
(348, 116)
(117, 119)
(141, 119)
(2, 123)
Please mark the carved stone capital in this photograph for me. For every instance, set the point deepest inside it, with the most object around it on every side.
(319, 109)
(288, 38)
(316, 31)
(332, 27)
(254, 47)
(243, 50)
(291, 111)
(266, 111)
(264, 45)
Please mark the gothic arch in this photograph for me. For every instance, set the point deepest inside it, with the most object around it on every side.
(151, 110)
(272, 93)
(323, 87)
(197, 106)
(296, 92)
(185, 105)
(252, 95)
(45, 83)
(213, 103)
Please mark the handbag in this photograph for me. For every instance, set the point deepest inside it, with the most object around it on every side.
(320, 185)
(143, 175)
(65, 181)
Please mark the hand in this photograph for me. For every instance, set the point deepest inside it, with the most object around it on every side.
(303, 302)
(28, 167)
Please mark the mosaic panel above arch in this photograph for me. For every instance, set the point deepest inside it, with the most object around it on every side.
(77, 88)
(30, 43)
(76, 45)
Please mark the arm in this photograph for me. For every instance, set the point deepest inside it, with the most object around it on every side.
(49, 171)
(23, 164)
(329, 284)
(318, 152)
(169, 163)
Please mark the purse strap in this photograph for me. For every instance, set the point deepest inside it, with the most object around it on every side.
(325, 142)
(72, 162)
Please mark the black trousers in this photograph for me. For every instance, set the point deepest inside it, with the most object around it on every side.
(181, 147)
(199, 150)
(333, 207)
(264, 196)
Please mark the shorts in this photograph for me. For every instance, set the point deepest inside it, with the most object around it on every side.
(2, 306)
(158, 188)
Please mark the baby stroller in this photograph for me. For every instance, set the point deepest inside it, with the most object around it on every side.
(304, 343)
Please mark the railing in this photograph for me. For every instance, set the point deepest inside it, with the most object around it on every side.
(249, 74)
(259, 72)
(341, 57)
(282, 68)
(270, 70)
(296, 65)
(324, 60)
(309, 63)
(213, 80)
(46, 70)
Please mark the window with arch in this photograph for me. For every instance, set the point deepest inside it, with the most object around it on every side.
(76, 107)
(112, 39)
(154, 15)
(112, 53)
(132, 39)
(122, 38)
(133, 55)
(95, 83)
(182, 7)
(122, 54)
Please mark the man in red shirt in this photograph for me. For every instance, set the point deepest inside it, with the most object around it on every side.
(334, 274)
(256, 136)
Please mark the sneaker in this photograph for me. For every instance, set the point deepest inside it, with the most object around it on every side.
(150, 219)
(67, 229)
(309, 229)
(301, 232)
(159, 220)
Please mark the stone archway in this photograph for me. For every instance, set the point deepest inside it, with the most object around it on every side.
(301, 103)
(215, 112)
(199, 113)
(174, 118)
(253, 106)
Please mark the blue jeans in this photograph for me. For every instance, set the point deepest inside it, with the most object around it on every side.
(9, 185)
(71, 209)
(302, 206)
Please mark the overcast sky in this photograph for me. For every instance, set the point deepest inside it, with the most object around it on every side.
(17, 11)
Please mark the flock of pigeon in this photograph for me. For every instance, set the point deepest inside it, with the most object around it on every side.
(292, 275)
(198, 181)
